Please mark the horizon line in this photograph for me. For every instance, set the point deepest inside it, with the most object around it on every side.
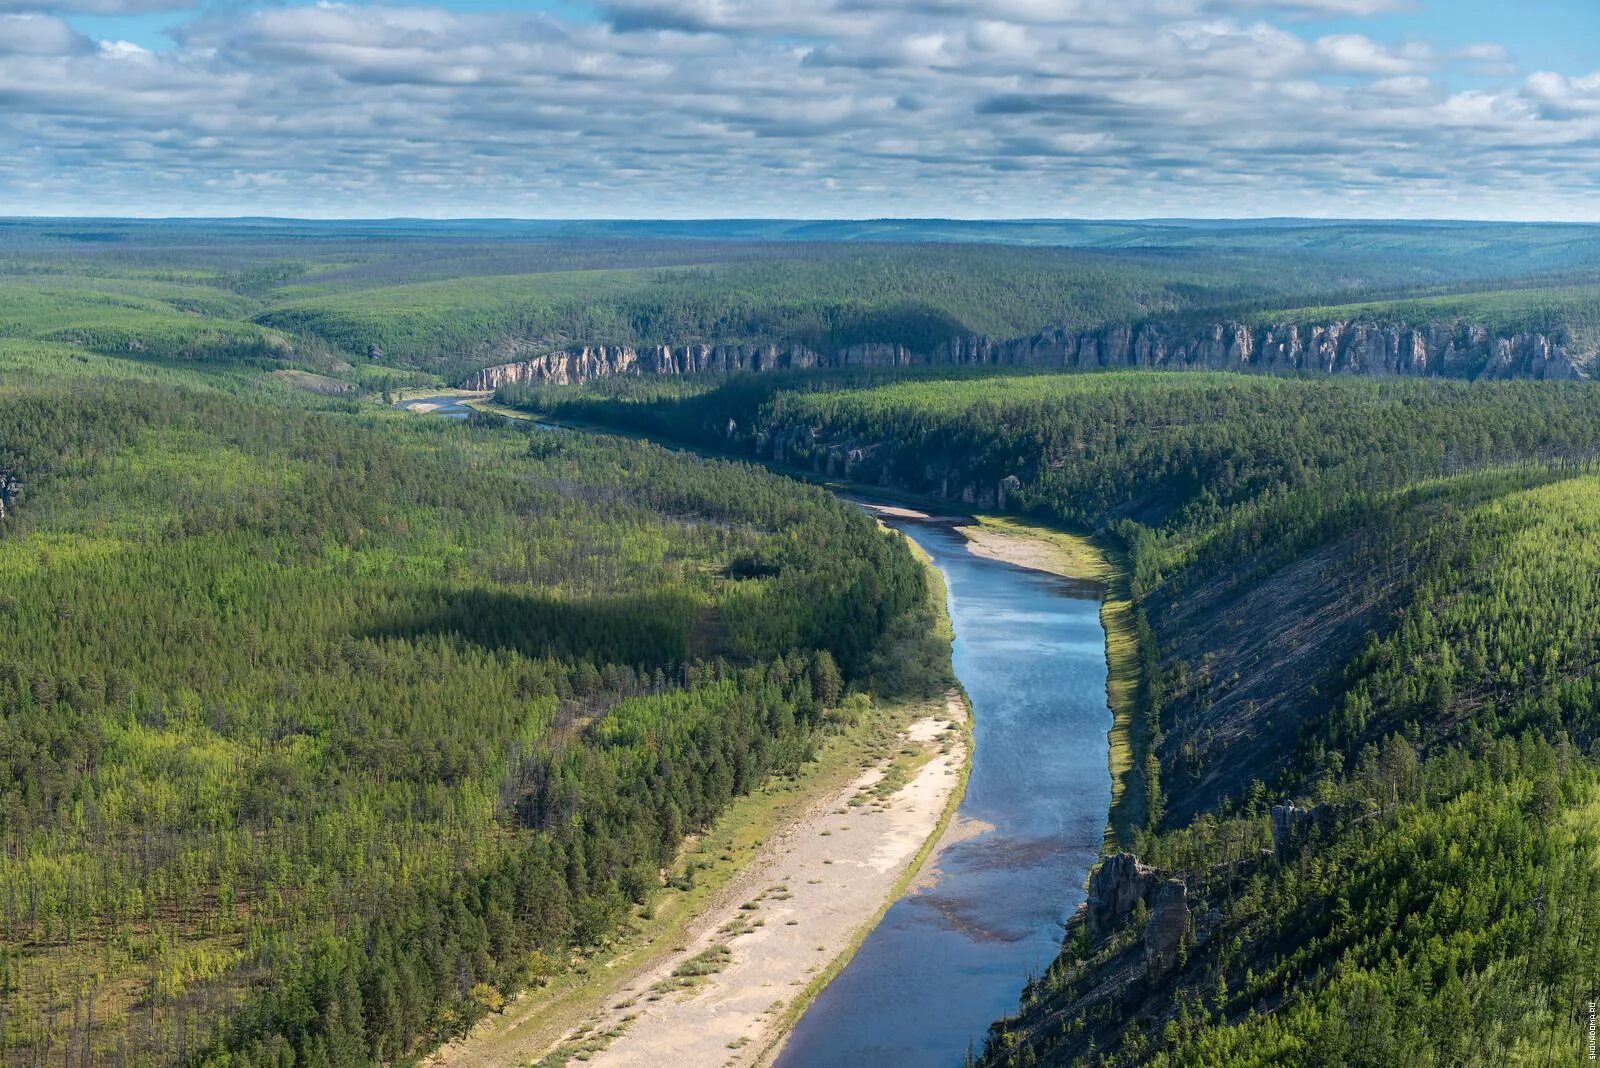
(1151, 220)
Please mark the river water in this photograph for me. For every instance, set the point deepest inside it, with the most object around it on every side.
(953, 954)
(447, 405)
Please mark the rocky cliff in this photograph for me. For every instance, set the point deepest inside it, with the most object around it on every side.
(1452, 348)
(1118, 886)
(572, 366)
(10, 490)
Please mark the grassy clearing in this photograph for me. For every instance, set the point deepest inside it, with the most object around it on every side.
(1068, 555)
(1130, 733)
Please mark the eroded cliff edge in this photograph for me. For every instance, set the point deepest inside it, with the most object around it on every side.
(1457, 348)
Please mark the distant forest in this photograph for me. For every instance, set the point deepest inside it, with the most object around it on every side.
(403, 302)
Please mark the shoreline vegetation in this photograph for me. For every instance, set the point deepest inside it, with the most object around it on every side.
(905, 762)
(1030, 544)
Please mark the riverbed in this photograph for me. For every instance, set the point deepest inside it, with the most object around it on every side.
(954, 953)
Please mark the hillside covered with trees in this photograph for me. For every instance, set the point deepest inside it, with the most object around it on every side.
(1367, 709)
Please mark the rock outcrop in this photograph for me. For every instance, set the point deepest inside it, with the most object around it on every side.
(1455, 348)
(1118, 886)
(1291, 825)
(1115, 887)
(1452, 348)
(572, 366)
(10, 490)
(1167, 926)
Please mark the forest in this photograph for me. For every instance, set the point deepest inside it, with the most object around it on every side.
(1369, 709)
(412, 302)
(322, 726)
(325, 729)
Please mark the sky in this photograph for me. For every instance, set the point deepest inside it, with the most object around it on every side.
(1484, 109)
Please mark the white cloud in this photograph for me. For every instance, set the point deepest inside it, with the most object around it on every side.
(836, 107)
(97, 7)
(33, 34)
(1355, 54)
(1402, 85)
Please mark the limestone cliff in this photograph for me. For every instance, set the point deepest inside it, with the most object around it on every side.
(1455, 348)
(572, 366)
(1119, 885)
(1116, 885)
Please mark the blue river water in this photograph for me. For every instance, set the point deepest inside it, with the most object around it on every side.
(953, 955)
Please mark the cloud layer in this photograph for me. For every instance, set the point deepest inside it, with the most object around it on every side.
(778, 108)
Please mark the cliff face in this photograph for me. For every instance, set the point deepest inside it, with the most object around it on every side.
(10, 490)
(573, 366)
(1457, 349)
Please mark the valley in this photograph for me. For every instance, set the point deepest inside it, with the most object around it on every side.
(983, 898)
(755, 534)
(1333, 673)
(338, 734)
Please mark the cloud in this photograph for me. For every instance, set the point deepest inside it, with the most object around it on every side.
(1352, 53)
(1403, 85)
(1050, 103)
(772, 107)
(97, 7)
(1321, 7)
(39, 35)
(1562, 98)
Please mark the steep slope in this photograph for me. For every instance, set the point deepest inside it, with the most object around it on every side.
(1367, 611)
(1430, 896)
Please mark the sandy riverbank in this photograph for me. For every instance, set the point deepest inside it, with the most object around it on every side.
(725, 993)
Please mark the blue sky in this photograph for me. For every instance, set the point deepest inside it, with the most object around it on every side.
(1546, 34)
(821, 108)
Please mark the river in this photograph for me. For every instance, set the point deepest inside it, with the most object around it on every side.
(448, 405)
(954, 953)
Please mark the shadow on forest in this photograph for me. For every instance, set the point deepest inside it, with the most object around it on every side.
(919, 327)
(648, 629)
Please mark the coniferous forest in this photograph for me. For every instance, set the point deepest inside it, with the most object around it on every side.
(326, 728)
(1367, 711)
